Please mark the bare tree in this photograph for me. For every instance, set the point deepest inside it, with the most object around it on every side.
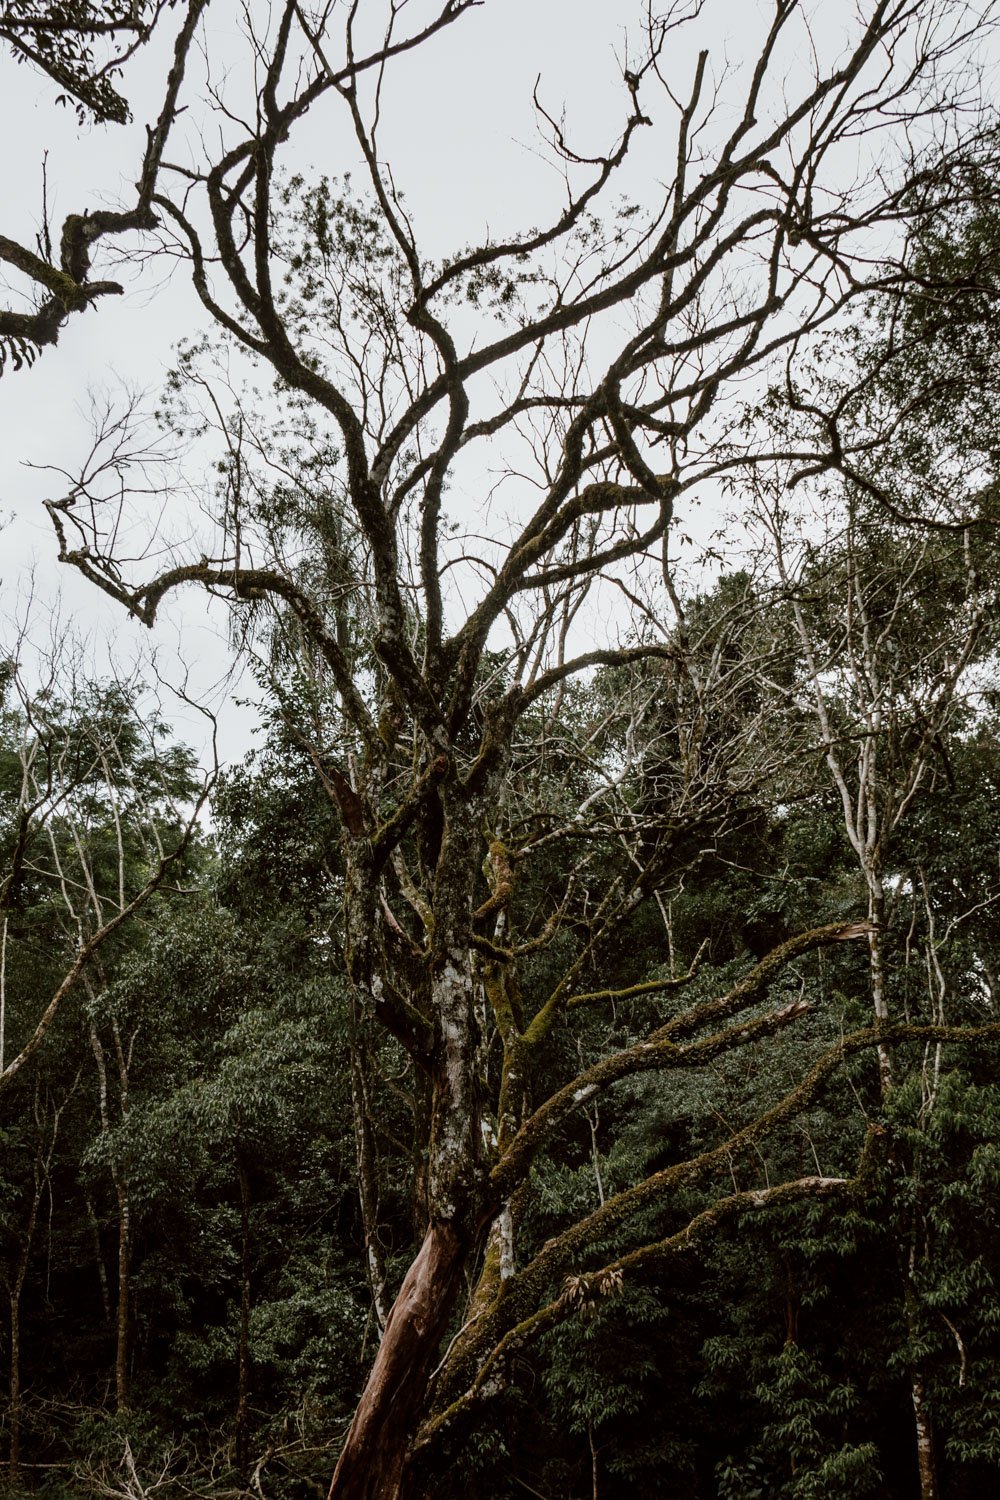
(578, 377)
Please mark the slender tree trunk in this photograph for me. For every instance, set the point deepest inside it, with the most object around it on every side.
(121, 1311)
(14, 1461)
(40, 1168)
(121, 1187)
(926, 1464)
(361, 916)
(102, 1274)
(876, 964)
(368, 1183)
(242, 1444)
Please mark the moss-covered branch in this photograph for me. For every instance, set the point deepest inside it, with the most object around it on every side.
(638, 991)
(521, 1294)
(754, 985)
(586, 1289)
(662, 1050)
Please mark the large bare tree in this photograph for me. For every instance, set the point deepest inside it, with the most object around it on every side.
(578, 380)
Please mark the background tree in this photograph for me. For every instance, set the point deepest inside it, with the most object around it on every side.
(97, 815)
(97, 819)
(894, 622)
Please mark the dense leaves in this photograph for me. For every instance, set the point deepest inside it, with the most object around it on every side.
(81, 45)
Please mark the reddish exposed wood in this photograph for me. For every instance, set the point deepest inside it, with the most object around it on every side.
(373, 1461)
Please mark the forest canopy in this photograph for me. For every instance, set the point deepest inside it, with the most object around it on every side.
(561, 1057)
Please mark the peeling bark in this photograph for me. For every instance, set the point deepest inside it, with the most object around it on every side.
(373, 1461)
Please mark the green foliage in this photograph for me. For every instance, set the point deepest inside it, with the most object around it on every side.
(70, 42)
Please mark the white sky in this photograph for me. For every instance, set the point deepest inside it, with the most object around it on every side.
(460, 132)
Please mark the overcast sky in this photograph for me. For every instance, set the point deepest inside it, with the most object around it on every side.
(461, 134)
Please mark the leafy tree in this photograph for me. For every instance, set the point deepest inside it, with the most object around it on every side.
(95, 814)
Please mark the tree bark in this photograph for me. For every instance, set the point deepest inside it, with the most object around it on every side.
(121, 1313)
(367, 1159)
(14, 1459)
(242, 1442)
(456, 1189)
(102, 1274)
(41, 1166)
(14, 1462)
(925, 1438)
(121, 1188)
(372, 1465)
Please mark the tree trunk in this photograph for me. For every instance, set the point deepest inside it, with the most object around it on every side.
(373, 1461)
(456, 1188)
(15, 1340)
(925, 1438)
(242, 1443)
(876, 964)
(42, 1164)
(14, 1460)
(367, 1159)
(121, 1312)
(362, 963)
(926, 1466)
(102, 1274)
(121, 1187)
